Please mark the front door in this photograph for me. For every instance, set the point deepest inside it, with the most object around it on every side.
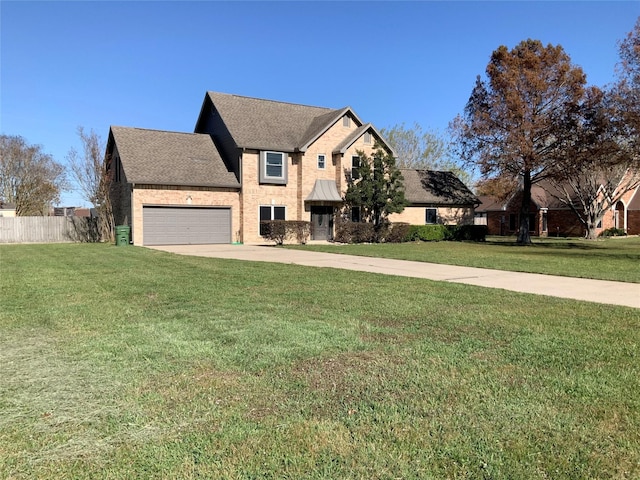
(321, 223)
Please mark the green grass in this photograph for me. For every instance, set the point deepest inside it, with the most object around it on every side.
(122, 362)
(615, 259)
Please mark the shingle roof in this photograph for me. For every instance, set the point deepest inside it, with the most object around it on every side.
(269, 125)
(435, 187)
(489, 204)
(543, 194)
(320, 124)
(171, 158)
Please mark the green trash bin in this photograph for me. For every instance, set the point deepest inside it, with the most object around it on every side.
(122, 235)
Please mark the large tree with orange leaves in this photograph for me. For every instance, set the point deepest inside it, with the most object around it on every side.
(519, 120)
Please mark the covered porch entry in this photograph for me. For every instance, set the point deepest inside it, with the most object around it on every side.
(323, 202)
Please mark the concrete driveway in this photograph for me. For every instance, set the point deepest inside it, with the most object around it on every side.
(599, 291)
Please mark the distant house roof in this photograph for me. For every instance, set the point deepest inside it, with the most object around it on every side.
(543, 195)
(489, 204)
(170, 158)
(436, 188)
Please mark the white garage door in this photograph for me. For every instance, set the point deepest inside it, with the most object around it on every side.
(186, 225)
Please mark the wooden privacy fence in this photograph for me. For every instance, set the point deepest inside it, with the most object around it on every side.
(47, 229)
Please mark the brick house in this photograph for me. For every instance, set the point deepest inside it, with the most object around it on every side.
(550, 217)
(248, 160)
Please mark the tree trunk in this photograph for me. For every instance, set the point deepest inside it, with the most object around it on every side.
(590, 226)
(590, 233)
(523, 233)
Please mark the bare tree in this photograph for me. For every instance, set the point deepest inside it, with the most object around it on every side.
(518, 122)
(603, 162)
(89, 169)
(600, 165)
(627, 88)
(415, 147)
(29, 178)
(423, 149)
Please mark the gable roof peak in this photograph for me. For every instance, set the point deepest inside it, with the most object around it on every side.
(261, 124)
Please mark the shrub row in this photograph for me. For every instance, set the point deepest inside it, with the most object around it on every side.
(474, 233)
(360, 232)
(280, 230)
(613, 232)
(426, 233)
(363, 232)
(355, 232)
(437, 233)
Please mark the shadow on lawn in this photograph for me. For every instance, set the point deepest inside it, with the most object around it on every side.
(572, 249)
(560, 244)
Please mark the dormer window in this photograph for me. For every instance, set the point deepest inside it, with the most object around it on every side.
(273, 167)
(346, 121)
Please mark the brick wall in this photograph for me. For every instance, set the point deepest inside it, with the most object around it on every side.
(181, 196)
(446, 215)
(560, 222)
(302, 174)
(633, 222)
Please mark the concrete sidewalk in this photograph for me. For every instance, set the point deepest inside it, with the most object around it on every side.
(599, 291)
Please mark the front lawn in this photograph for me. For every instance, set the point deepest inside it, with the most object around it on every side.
(615, 259)
(123, 362)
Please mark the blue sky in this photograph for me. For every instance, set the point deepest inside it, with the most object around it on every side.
(148, 64)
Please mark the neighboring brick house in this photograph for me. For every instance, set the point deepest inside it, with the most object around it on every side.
(436, 197)
(550, 217)
(626, 214)
(249, 160)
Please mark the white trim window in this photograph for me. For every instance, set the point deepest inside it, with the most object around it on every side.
(355, 165)
(273, 167)
(322, 161)
(271, 212)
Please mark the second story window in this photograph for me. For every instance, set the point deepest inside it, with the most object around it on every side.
(321, 162)
(273, 167)
(367, 138)
(355, 164)
(346, 121)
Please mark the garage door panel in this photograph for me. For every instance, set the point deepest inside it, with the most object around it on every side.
(186, 225)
